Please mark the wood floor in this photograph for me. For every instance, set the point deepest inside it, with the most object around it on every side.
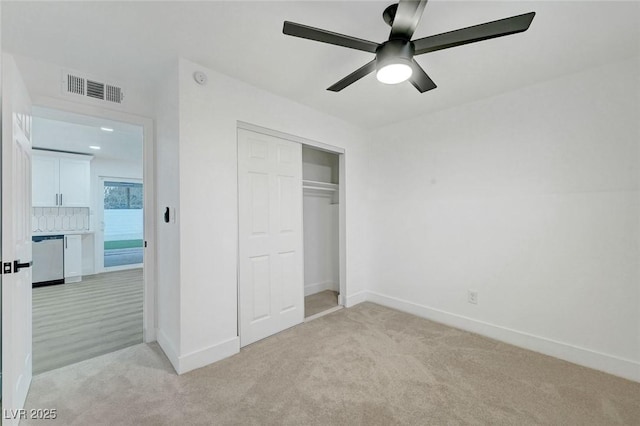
(77, 321)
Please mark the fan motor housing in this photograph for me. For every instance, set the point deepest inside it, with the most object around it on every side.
(394, 51)
(389, 14)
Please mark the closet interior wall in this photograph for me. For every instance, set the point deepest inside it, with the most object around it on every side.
(320, 219)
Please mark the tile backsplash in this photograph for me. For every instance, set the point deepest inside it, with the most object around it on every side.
(53, 219)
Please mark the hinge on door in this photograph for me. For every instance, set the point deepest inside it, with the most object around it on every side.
(145, 244)
(7, 267)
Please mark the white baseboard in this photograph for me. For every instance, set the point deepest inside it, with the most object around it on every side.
(355, 298)
(168, 348)
(314, 288)
(184, 363)
(209, 355)
(611, 364)
(149, 335)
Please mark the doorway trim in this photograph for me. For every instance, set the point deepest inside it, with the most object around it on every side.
(149, 318)
(342, 205)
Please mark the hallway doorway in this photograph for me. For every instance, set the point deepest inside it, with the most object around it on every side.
(95, 168)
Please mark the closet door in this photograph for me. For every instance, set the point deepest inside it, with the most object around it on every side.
(271, 295)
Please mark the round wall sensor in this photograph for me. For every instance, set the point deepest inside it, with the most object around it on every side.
(200, 78)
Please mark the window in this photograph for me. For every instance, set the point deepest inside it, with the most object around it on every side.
(123, 223)
(122, 195)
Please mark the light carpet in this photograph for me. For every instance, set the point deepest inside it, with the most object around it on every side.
(366, 365)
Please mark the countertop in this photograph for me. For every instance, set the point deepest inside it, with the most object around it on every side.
(45, 234)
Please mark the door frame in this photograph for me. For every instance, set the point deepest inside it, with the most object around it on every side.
(149, 318)
(342, 205)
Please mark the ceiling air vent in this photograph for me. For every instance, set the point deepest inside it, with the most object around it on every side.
(95, 89)
(77, 85)
(113, 94)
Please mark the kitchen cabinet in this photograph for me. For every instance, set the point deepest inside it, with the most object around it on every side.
(72, 258)
(60, 180)
(45, 181)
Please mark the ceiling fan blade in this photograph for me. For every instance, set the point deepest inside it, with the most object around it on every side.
(354, 76)
(407, 18)
(420, 79)
(324, 36)
(486, 31)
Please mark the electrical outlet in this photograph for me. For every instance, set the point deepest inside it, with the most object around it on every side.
(472, 297)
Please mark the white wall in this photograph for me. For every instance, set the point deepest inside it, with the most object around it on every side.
(529, 198)
(321, 259)
(320, 220)
(207, 196)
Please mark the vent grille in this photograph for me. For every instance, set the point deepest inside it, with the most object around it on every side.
(77, 85)
(95, 89)
(113, 94)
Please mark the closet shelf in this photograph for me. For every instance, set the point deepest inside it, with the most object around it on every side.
(319, 186)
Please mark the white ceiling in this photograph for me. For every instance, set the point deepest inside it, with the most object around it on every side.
(68, 132)
(133, 42)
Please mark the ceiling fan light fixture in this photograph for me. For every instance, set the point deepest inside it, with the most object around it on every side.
(394, 60)
(394, 73)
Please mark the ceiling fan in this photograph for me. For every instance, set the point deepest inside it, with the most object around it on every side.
(394, 61)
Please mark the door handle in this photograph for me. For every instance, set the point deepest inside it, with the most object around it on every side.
(60, 199)
(17, 265)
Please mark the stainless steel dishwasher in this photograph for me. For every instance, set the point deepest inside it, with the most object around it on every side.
(48, 260)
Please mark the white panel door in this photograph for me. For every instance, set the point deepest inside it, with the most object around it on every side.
(16, 242)
(271, 277)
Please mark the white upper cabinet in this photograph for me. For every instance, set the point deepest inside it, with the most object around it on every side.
(61, 180)
(45, 180)
(75, 182)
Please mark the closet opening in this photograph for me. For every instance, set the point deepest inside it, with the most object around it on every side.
(321, 231)
(291, 231)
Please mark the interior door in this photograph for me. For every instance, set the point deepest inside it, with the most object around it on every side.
(16, 242)
(271, 277)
